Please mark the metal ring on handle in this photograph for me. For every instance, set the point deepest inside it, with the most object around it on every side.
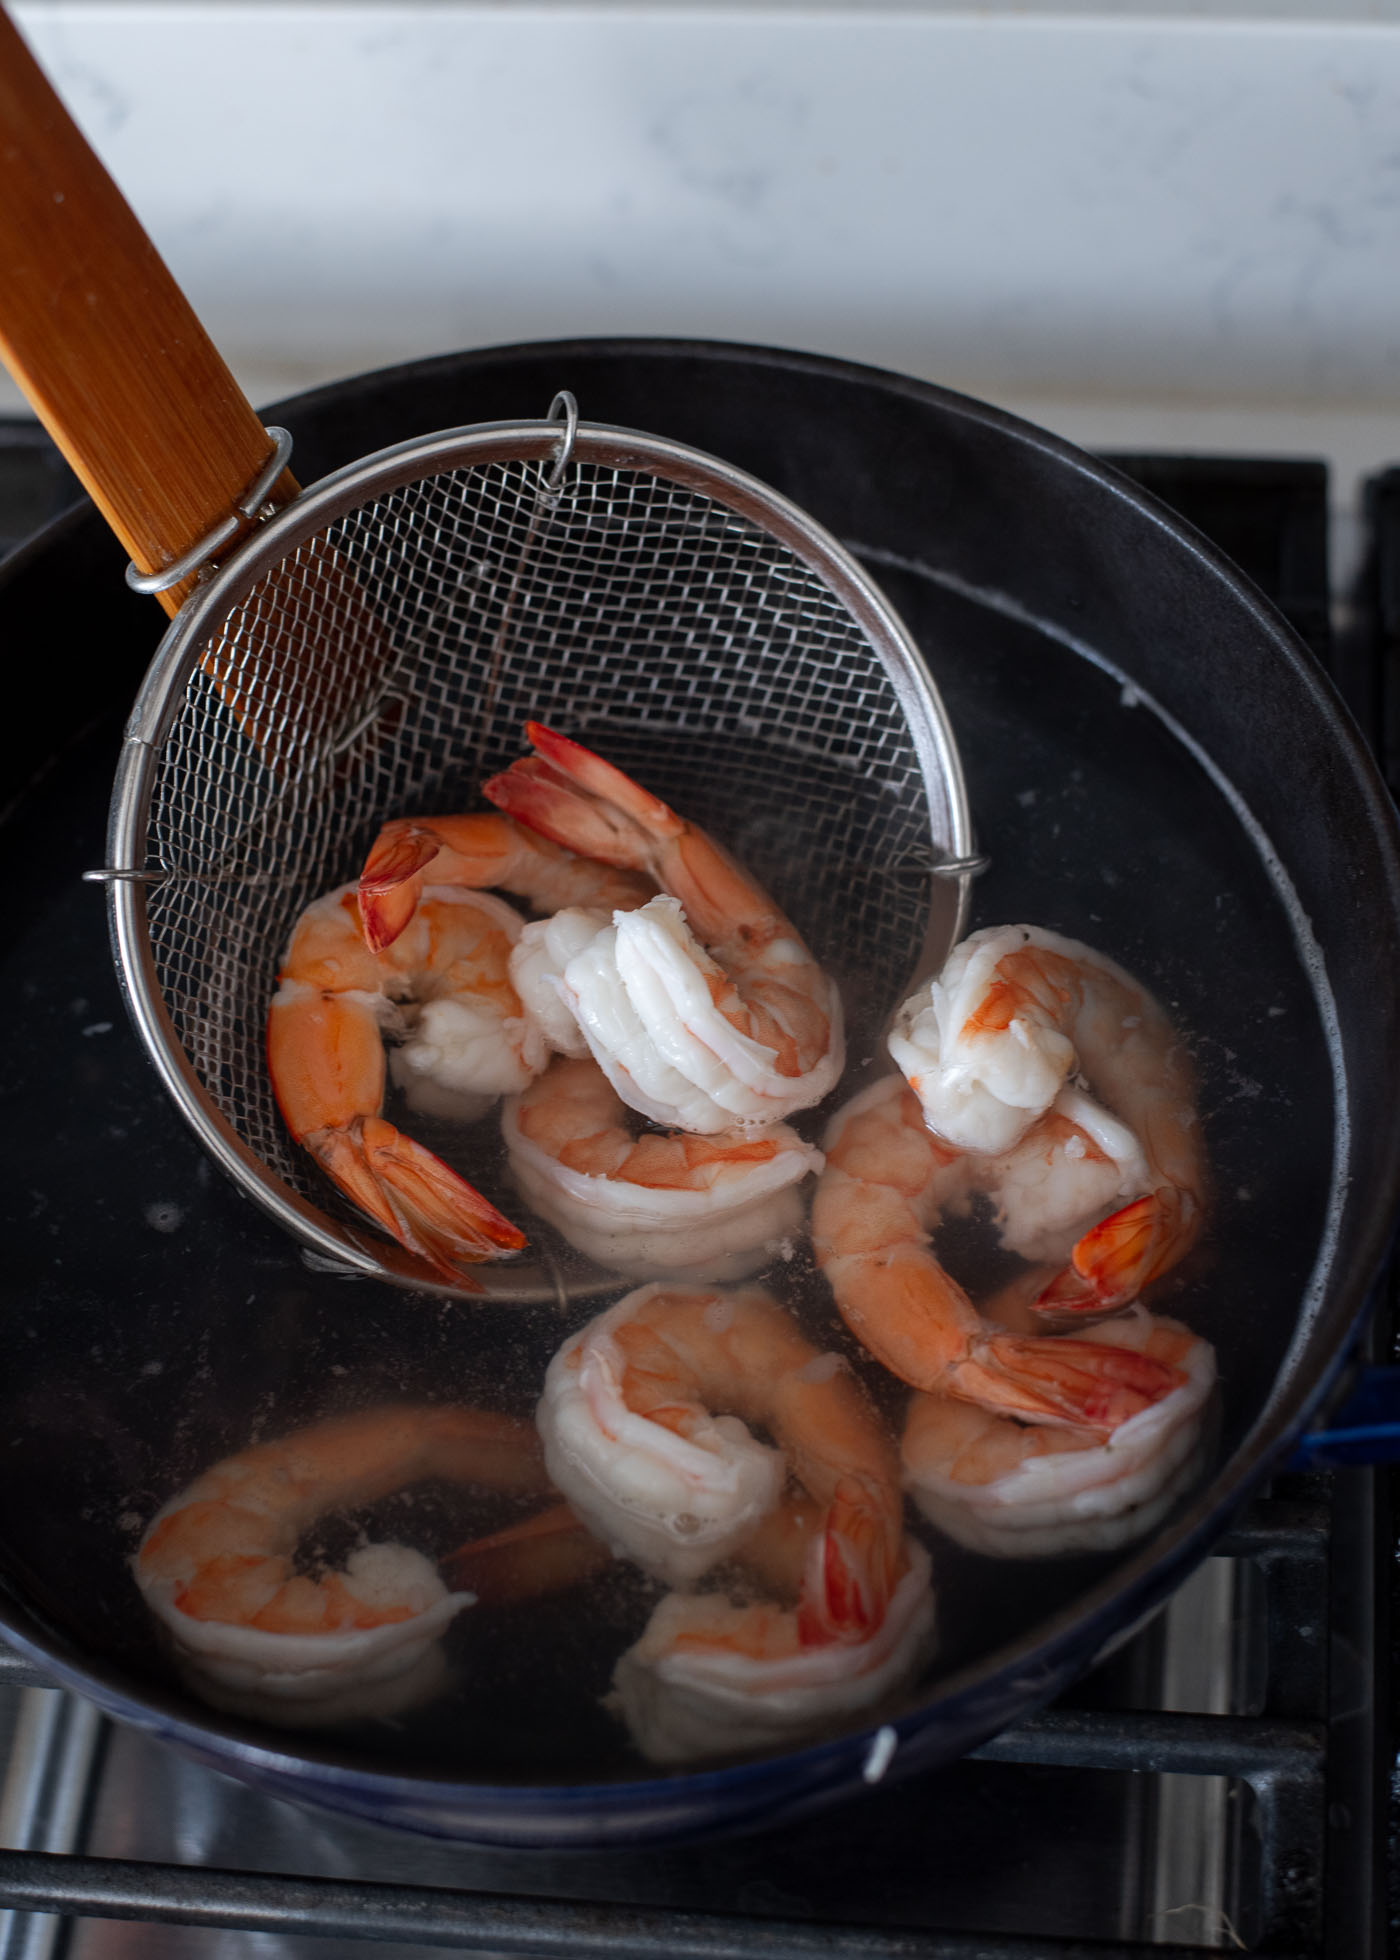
(227, 527)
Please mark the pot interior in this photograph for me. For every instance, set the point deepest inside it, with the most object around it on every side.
(158, 1322)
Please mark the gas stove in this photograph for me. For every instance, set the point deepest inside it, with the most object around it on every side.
(1218, 1784)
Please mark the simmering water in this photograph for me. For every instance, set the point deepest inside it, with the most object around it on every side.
(140, 1356)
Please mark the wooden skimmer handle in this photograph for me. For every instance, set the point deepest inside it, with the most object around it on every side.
(105, 345)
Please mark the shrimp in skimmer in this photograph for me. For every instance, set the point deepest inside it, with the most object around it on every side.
(256, 1636)
(698, 1207)
(703, 1006)
(481, 851)
(988, 1045)
(325, 1053)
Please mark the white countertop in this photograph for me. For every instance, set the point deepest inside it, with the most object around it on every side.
(1177, 230)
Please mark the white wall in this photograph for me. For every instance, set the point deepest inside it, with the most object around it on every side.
(1182, 230)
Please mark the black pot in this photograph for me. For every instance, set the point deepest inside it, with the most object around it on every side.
(1156, 765)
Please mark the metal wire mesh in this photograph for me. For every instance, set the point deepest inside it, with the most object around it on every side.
(387, 665)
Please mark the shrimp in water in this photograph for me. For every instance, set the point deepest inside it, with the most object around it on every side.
(1014, 1490)
(481, 851)
(713, 1677)
(1075, 1163)
(989, 1044)
(325, 1055)
(644, 1423)
(886, 1182)
(256, 1637)
(703, 1006)
(694, 1207)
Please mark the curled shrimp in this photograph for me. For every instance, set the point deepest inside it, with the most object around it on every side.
(325, 1054)
(886, 1182)
(703, 1006)
(481, 851)
(1014, 1490)
(256, 1636)
(645, 1423)
(646, 1414)
(695, 1207)
(988, 1045)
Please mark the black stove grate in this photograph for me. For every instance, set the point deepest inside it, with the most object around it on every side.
(1039, 1848)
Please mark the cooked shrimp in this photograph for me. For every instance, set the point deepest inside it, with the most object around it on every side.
(1017, 1491)
(703, 1006)
(1073, 1165)
(887, 1180)
(482, 851)
(326, 1058)
(711, 1677)
(988, 1045)
(537, 964)
(255, 1635)
(644, 1423)
(694, 1207)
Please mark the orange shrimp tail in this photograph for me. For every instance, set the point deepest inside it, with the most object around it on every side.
(1123, 1253)
(574, 798)
(1064, 1383)
(547, 1553)
(850, 1572)
(417, 1198)
(602, 779)
(391, 880)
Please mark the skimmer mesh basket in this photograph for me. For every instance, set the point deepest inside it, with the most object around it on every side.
(375, 650)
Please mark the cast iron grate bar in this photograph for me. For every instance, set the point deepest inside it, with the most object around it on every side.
(1253, 1747)
(115, 1888)
(1278, 1528)
(1283, 1763)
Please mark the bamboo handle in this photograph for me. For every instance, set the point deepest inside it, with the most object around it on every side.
(104, 344)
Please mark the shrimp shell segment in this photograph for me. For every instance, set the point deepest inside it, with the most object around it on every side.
(695, 1208)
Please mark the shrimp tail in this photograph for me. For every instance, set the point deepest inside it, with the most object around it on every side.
(417, 1198)
(575, 798)
(1064, 1383)
(392, 880)
(850, 1572)
(547, 1553)
(1123, 1253)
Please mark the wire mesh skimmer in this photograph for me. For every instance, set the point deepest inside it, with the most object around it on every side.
(374, 650)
